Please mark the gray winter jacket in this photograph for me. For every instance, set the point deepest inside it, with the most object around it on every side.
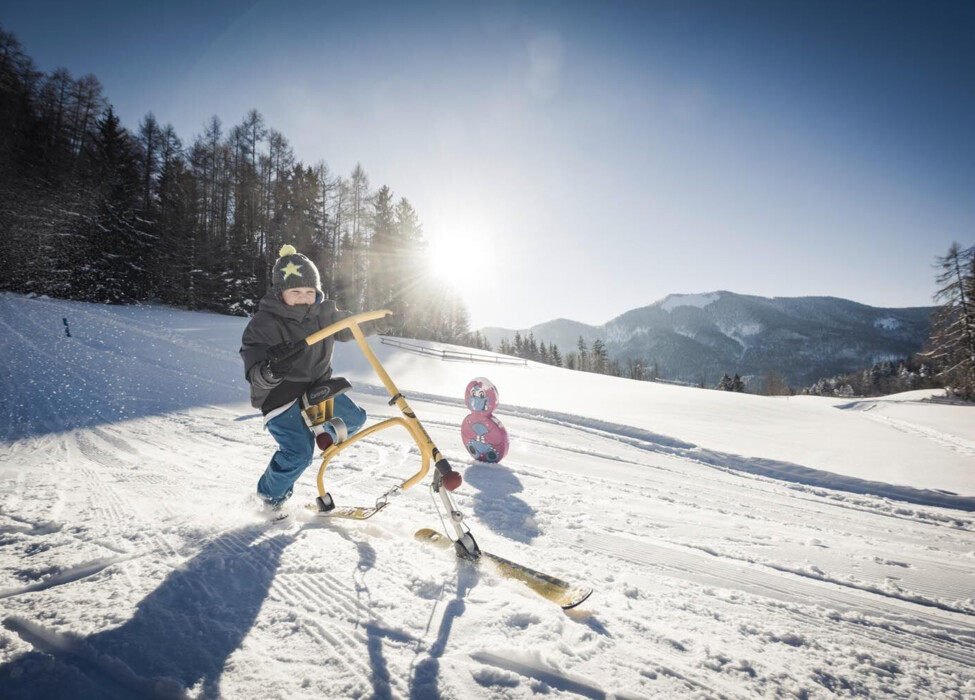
(276, 322)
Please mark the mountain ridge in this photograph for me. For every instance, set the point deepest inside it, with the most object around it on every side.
(699, 337)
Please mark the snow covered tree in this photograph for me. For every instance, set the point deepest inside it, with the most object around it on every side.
(119, 247)
(952, 343)
(737, 384)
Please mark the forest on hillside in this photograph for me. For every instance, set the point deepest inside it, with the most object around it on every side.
(95, 212)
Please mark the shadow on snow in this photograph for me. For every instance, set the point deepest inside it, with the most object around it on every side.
(180, 636)
(496, 505)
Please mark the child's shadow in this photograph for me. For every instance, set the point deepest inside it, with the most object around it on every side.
(497, 506)
(181, 634)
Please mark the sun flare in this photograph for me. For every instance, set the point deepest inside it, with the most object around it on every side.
(462, 261)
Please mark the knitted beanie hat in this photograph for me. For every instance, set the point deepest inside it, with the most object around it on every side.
(292, 269)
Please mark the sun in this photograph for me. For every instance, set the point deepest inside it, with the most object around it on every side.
(460, 260)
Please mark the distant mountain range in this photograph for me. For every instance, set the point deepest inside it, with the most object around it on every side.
(702, 336)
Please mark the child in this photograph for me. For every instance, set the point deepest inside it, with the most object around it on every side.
(279, 374)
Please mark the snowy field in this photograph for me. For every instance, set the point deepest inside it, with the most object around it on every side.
(739, 546)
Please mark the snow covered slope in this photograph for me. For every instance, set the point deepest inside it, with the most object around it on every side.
(739, 545)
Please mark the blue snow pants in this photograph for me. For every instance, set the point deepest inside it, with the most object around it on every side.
(296, 446)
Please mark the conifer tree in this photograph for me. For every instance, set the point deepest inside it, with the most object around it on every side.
(407, 264)
(150, 138)
(556, 355)
(382, 250)
(599, 357)
(582, 362)
(953, 329)
(118, 249)
(737, 384)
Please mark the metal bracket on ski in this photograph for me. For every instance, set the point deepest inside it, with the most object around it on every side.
(325, 507)
(465, 545)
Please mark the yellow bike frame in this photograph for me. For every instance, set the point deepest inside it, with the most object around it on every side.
(428, 450)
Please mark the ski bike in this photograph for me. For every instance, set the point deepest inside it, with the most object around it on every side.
(444, 479)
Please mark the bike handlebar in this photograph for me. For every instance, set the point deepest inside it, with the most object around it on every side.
(353, 320)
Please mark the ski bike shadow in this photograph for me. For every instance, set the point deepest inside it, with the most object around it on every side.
(376, 633)
(425, 675)
(180, 636)
(424, 679)
(496, 505)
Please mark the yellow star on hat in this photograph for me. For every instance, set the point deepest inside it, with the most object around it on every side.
(291, 269)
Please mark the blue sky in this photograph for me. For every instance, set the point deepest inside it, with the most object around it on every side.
(597, 156)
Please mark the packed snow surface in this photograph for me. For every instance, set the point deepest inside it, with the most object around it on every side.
(739, 546)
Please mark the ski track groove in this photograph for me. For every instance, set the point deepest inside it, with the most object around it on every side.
(752, 483)
(334, 593)
(950, 442)
(117, 512)
(334, 604)
(854, 501)
(767, 507)
(344, 646)
(778, 587)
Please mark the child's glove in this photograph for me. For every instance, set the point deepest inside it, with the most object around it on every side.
(280, 358)
(394, 322)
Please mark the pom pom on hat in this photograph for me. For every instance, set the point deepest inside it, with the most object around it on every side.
(287, 249)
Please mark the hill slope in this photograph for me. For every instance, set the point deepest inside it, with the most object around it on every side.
(736, 543)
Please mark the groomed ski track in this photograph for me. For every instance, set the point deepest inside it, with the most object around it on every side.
(134, 563)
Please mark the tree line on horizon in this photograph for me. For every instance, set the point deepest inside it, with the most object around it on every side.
(94, 212)
(584, 358)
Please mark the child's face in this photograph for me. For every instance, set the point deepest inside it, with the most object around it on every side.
(298, 295)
